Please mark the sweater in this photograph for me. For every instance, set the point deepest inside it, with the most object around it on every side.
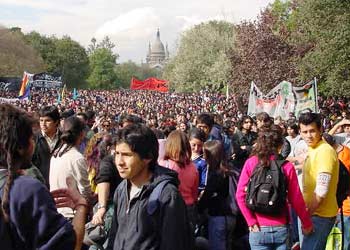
(189, 180)
(294, 197)
(70, 164)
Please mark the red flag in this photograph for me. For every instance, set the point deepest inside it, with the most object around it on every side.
(151, 83)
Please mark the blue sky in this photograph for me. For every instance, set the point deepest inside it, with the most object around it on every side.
(131, 24)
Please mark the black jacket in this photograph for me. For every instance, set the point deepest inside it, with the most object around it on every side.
(42, 155)
(243, 140)
(215, 195)
(134, 229)
(108, 173)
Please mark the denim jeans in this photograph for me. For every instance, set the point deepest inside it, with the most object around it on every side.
(269, 238)
(220, 231)
(318, 239)
(346, 230)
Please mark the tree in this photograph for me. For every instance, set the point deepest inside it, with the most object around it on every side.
(262, 54)
(16, 56)
(63, 56)
(105, 43)
(202, 58)
(325, 25)
(46, 47)
(102, 63)
(71, 61)
(125, 71)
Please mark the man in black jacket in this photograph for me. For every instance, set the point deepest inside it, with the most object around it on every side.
(47, 140)
(139, 224)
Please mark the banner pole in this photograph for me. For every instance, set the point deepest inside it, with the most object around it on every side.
(227, 94)
(316, 94)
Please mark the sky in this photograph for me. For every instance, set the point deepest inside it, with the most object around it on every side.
(131, 24)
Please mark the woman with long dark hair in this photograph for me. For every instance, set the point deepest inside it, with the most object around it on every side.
(215, 197)
(28, 215)
(67, 161)
(270, 231)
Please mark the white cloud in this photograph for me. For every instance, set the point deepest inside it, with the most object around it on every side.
(134, 24)
(130, 24)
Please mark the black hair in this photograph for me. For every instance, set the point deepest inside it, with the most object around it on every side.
(206, 118)
(309, 117)
(141, 140)
(71, 132)
(83, 114)
(214, 154)
(159, 133)
(90, 114)
(130, 118)
(293, 126)
(264, 117)
(15, 135)
(197, 134)
(67, 113)
(50, 111)
(241, 121)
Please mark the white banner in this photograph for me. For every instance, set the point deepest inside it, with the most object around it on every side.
(283, 99)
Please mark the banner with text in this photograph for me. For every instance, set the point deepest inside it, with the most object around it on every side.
(151, 83)
(46, 81)
(283, 99)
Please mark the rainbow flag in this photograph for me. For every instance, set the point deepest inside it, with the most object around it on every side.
(25, 85)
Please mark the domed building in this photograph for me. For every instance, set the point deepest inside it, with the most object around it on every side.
(157, 55)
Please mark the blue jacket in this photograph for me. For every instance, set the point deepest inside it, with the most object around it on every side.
(201, 165)
(34, 220)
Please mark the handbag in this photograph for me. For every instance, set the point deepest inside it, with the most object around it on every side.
(94, 235)
(334, 240)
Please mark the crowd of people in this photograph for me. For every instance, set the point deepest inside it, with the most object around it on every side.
(146, 170)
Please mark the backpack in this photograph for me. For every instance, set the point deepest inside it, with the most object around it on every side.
(267, 189)
(343, 186)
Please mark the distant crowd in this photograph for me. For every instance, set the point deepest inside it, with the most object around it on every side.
(146, 170)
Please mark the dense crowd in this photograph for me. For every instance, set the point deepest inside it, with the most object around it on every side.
(169, 171)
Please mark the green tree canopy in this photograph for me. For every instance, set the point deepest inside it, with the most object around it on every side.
(63, 56)
(102, 63)
(71, 62)
(325, 24)
(202, 58)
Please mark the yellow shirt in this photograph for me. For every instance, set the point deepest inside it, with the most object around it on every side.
(321, 159)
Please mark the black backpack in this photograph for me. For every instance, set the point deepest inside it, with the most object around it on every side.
(343, 186)
(267, 189)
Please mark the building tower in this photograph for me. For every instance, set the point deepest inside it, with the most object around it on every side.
(157, 55)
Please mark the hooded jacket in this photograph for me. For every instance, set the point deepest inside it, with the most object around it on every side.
(134, 229)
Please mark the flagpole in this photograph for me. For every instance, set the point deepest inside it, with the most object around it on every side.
(316, 93)
(227, 95)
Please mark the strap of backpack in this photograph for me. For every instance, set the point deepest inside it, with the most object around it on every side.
(153, 201)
